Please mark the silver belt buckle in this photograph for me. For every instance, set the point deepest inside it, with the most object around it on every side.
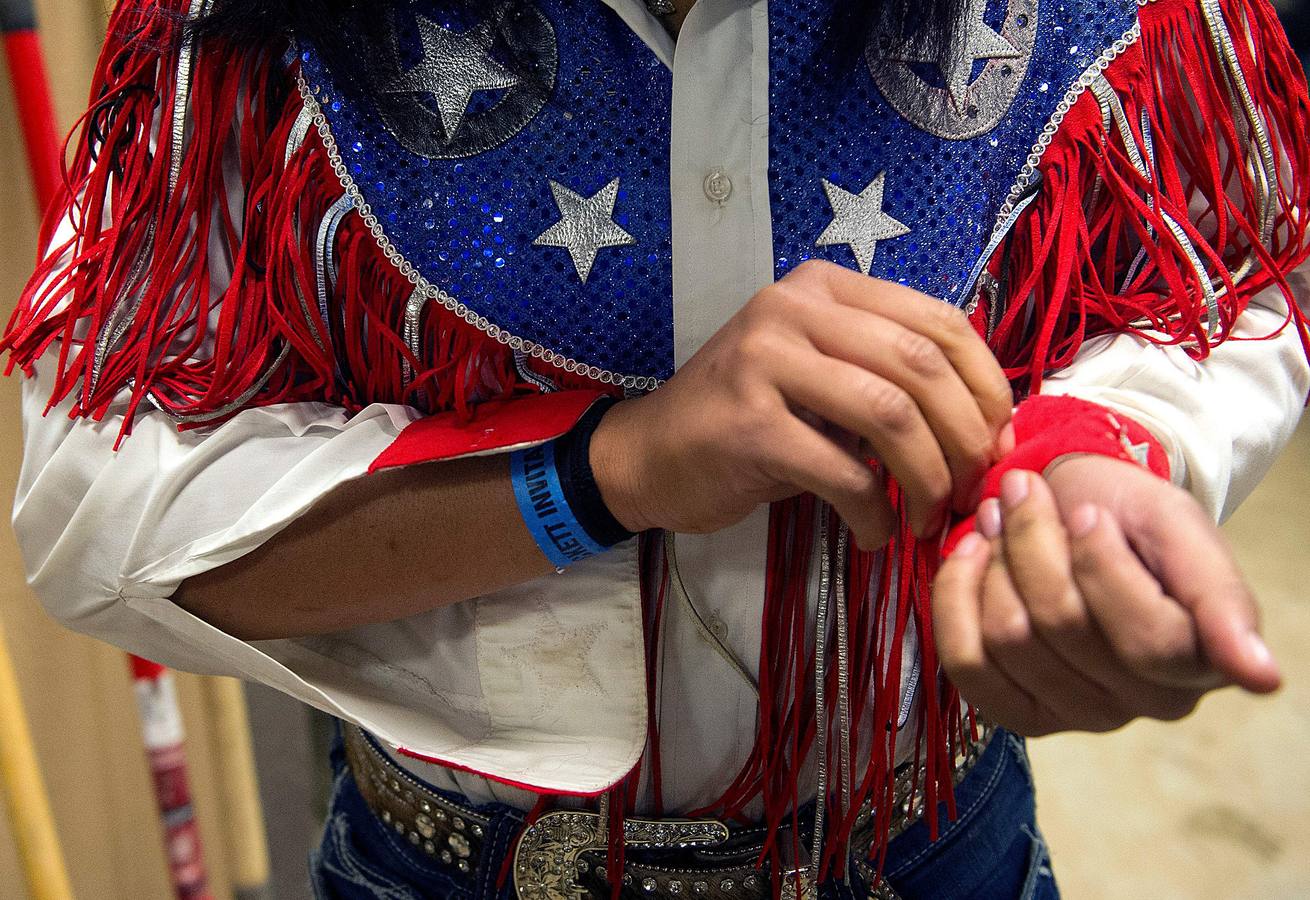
(796, 871)
(549, 853)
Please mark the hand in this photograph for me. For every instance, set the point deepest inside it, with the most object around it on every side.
(816, 373)
(1105, 594)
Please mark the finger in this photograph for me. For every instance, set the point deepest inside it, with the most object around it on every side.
(1150, 632)
(881, 413)
(1208, 583)
(1041, 568)
(945, 325)
(1154, 701)
(957, 632)
(1069, 699)
(956, 605)
(1039, 562)
(803, 457)
(919, 367)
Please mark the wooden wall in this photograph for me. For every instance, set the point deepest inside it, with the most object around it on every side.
(77, 691)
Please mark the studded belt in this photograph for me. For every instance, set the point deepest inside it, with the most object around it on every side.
(561, 856)
(441, 829)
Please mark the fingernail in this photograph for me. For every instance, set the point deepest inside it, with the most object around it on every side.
(989, 519)
(1014, 488)
(1005, 440)
(1258, 650)
(968, 545)
(1083, 520)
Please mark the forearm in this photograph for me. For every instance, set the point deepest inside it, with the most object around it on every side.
(375, 549)
(290, 519)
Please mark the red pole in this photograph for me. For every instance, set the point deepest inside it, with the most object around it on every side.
(161, 727)
(36, 114)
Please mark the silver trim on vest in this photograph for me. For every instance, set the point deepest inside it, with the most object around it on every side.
(434, 293)
(299, 131)
(1028, 172)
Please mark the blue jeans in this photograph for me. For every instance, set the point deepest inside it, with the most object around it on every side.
(992, 851)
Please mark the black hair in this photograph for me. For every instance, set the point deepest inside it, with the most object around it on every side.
(332, 25)
(345, 28)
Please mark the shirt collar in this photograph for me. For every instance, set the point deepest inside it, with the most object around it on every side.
(645, 26)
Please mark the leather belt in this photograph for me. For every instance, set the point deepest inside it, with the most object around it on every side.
(561, 856)
(443, 830)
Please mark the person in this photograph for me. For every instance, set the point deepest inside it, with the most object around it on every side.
(575, 399)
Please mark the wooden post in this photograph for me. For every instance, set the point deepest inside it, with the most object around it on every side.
(24, 790)
(238, 783)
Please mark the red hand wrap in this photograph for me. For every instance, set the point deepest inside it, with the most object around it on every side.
(1048, 427)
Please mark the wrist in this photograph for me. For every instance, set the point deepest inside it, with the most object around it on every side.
(614, 453)
(1076, 439)
(1052, 430)
(1088, 476)
(558, 497)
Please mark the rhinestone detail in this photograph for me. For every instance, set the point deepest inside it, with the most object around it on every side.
(425, 825)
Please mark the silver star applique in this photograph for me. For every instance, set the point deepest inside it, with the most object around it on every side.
(455, 65)
(858, 220)
(553, 639)
(973, 40)
(586, 225)
(1141, 453)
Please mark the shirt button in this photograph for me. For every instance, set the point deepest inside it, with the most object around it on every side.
(717, 628)
(718, 186)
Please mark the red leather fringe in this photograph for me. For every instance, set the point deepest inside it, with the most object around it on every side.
(886, 594)
(137, 278)
(1095, 212)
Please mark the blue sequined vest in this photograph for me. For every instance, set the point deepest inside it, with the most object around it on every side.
(517, 168)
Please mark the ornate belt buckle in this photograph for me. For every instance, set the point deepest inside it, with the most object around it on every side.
(549, 852)
(796, 871)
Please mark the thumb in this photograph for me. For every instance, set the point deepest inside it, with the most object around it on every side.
(1194, 564)
(1230, 638)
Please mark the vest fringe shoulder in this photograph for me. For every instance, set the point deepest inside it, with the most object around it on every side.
(1173, 190)
(138, 299)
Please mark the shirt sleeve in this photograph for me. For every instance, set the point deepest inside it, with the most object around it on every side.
(1224, 419)
(110, 519)
(114, 511)
(99, 527)
(105, 532)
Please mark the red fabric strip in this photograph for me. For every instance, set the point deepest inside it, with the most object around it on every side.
(1048, 427)
(495, 425)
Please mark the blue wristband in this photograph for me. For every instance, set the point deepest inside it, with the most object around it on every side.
(545, 509)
